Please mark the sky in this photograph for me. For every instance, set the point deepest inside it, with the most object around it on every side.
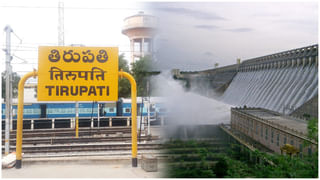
(191, 36)
(195, 36)
(89, 23)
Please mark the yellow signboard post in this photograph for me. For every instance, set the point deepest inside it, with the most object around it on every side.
(78, 73)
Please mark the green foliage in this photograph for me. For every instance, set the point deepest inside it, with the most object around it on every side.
(313, 129)
(124, 84)
(307, 116)
(288, 167)
(237, 169)
(190, 173)
(15, 79)
(195, 159)
(140, 71)
(221, 168)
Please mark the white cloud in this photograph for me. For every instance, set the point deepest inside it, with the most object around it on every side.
(245, 30)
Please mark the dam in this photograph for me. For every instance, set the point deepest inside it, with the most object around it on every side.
(281, 82)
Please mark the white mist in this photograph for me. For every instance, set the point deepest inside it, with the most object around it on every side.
(188, 108)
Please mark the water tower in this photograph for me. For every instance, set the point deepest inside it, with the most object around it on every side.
(140, 29)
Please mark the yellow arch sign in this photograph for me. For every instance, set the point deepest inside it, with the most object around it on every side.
(108, 74)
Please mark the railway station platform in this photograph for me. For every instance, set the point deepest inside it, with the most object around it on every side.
(87, 167)
(109, 158)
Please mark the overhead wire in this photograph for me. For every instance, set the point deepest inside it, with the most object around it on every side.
(18, 44)
(80, 8)
(24, 60)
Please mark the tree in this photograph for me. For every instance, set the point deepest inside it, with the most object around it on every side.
(313, 129)
(15, 79)
(124, 84)
(216, 65)
(141, 71)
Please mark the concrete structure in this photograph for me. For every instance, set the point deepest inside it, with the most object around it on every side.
(272, 129)
(310, 108)
(282, 82)
(140, 29)
(149, 163)
(210, 81)
(295, 57)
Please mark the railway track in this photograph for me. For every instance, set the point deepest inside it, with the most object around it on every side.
(96, 147)
(88, 139)
(47, 142)
(69, 132)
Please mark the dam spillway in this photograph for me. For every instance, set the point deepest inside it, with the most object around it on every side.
(281, 82)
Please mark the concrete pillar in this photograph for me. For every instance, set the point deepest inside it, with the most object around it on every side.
(52, 126)
(140, 43)
(11, 118)
(98, 120)
(310, 61)
(293, 62)
(142, 47)
(132, 50)
(298, 62)
(128, 121)
(110, 122)
(71, 123)
(238, 60)
(32, 124)
(91, 124)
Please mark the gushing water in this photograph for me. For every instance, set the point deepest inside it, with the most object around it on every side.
(279, 89)
(187, 108)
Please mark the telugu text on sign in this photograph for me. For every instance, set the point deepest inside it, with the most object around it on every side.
(78, 73)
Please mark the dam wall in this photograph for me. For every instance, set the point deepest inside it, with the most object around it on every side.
(280, 82)
(307, 110)
(210, 82)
